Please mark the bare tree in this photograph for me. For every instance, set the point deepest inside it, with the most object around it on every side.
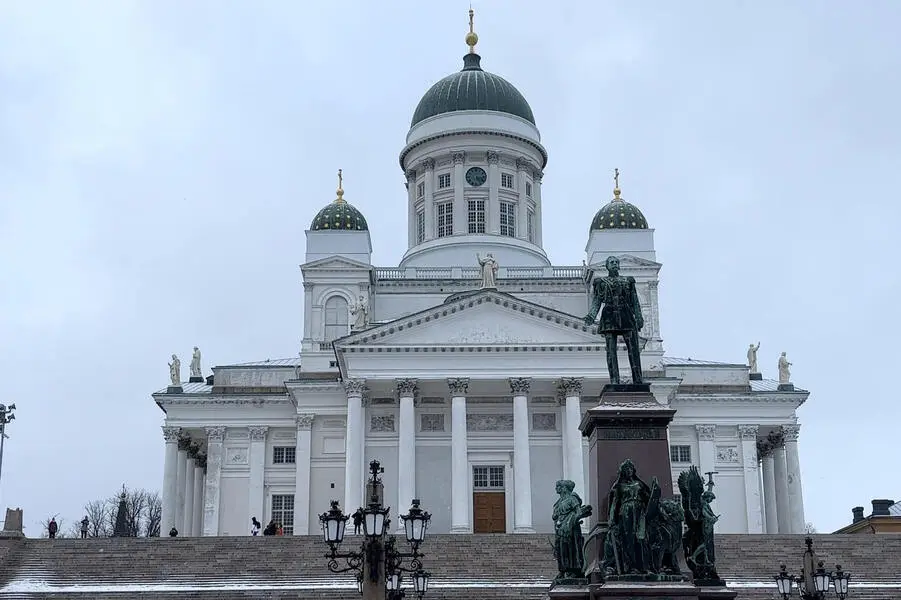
(97, 512)
(153, 515)
(809, 528)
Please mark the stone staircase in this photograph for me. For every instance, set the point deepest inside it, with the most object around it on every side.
(489, 567)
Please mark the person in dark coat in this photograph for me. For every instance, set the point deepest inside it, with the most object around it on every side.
(84, 527)
(52, 528)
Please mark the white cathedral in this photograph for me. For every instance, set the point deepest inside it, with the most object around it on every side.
(467, 368)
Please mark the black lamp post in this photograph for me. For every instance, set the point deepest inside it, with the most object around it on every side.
(378, 549)
(7, 414)
(814, 581)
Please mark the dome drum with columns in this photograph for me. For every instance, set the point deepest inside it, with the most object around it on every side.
(468, 381)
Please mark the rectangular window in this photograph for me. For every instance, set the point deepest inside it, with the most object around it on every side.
(528, 190)
(507, 181)
(284, 455)
(680, 454)
(420, 190)
(444, 181)
(508, 218)
(488, 477)
(445, 223)
(283, 512)
(420, 226)
(530, 224)
(476, 216)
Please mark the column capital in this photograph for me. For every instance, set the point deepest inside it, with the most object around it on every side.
(520, 386)
(215, 434)
(790, 432)
(653, 284)
(459, 157)
(748, 433)
(706, 433)
(258, 432)
(493, 157)
(411, 175)
(523, 164)
(537, 175)
(775, 439)
(184, 443)
(407, 387)
(304, 421)
(194, 450)
(354, 387)
(571, 386)
(171, 434)
(764, 449)
(428, 164)
(458, 386)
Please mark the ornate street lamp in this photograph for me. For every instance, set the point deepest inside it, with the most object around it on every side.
(378, 548)
(814, 582)
(7, 415)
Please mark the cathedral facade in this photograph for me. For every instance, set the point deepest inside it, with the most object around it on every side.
(465, 369)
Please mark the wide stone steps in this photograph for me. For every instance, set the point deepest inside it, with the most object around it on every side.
(491, 567)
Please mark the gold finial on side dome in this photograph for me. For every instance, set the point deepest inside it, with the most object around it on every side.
(471, 38)
(340, 190)
(616, 190)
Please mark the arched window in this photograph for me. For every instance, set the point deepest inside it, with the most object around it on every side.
(336, 318)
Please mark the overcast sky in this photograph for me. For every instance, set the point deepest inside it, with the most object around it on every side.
(160, 161)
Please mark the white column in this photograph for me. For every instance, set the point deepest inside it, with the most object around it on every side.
(170, 478)
(461, 209)
(257, 463)
(768, 464)
(187, 525)
(707, 451)
(428, 167)
(197, 521)
(781, 476)
(411, 217)
(354, 445)
(215, 443)
(181, 471)
(460, 500)
(522, 463)
(406, 446)
(748, 435)
(493, 210)
(536, 196)
(303, 456)
(572, 438)
(793, 476)
(522, 204)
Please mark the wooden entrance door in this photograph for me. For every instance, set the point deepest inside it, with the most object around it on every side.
(489, 512)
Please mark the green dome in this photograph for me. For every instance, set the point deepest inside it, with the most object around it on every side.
(339, 216)
(472, 89)
(619, 214)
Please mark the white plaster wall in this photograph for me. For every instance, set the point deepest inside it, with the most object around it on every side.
(326, 484)
(615, 242)
(433, 475)
(730, 503)
(355, 245)
(546, 469)
(234, 495)
(469, 120)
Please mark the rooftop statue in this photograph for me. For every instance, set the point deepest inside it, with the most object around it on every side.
(785, 375)
(175, 371)
(489, 271)
(752, 357)
(699, 520)
(621, 316)
(195, 363)
(569, 544)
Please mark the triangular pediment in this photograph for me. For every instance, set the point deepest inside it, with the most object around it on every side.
(335, 263)
(635, 261)
(483, 318)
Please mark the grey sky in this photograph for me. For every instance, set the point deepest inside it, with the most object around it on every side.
(160, 160)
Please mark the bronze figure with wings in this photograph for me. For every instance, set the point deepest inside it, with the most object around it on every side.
(697, 541)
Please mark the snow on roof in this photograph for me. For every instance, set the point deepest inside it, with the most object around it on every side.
(269, 362)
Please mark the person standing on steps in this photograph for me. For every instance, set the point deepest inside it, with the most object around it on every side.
(270, 528)
(173, 532)
(84, 527)
(255, 527)
(52, 528)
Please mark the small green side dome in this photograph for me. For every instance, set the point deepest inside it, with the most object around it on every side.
(340, 215)
(472, 89)
(619, 214)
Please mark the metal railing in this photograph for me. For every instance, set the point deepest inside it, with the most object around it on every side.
(383, 273)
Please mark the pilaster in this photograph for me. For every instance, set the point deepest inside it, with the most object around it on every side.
(302, 463)
(461, 224)
(522, 167)
(354, 454)
(257, 460)
(427, 166)
(537, 175)
(493, 210)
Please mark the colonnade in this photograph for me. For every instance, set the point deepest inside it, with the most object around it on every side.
(183, 484)
(783, 507)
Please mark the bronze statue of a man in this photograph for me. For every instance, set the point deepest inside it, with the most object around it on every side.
(621, 317)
